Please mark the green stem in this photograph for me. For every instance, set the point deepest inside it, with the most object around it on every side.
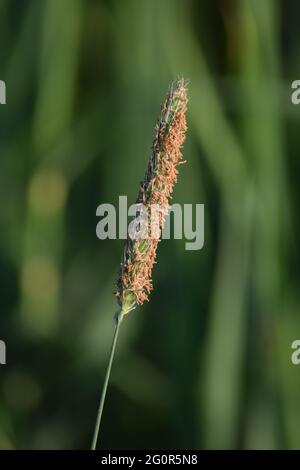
(104, 389)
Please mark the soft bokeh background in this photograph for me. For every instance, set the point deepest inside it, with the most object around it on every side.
(206, 364)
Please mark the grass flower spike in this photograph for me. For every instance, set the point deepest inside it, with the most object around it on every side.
(135, 278)
(135, 283)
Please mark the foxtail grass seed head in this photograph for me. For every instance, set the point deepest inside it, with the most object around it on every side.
(135, 283)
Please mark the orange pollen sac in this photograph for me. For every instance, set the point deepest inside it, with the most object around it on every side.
(135, 277)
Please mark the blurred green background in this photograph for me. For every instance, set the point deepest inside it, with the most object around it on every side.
(207, 363)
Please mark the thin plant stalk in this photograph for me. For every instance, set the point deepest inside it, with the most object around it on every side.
(106, 380)
(135, 277)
